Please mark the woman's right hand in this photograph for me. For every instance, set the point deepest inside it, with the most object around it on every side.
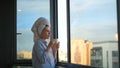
(51, 43)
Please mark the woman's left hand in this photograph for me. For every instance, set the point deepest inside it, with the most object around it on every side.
(56, 46)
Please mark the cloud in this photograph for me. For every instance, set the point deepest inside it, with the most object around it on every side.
(93, 19)
(39, 6)
(19, 10)
(29, 10)
(94, 31)
(81, 6)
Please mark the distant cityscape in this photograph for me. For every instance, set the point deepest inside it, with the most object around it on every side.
(24, 55)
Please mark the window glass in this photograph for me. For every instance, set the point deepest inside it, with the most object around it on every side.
(115, 62)
(62, 31)
(28, 11)
(115, 53)
(94, 38)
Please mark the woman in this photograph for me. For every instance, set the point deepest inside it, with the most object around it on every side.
(43, 54)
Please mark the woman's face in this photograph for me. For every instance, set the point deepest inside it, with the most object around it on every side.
(46, 32)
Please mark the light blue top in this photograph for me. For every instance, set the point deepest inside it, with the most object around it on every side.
(40, 57)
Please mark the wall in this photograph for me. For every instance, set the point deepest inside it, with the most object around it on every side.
(6, 32)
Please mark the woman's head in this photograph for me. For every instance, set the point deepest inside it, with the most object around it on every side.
(45, 34)
(40, 28)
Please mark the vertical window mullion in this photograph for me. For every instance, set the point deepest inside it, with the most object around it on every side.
(54, 20)
(118, 22)
(68, 31)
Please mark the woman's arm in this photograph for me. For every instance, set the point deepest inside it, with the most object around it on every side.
(50, 45)
(41, 53)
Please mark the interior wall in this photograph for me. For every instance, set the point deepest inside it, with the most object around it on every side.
(6, 32)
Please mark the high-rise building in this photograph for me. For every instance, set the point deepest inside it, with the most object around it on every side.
(81, 51)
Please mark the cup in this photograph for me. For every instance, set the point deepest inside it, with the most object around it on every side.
(56, 40)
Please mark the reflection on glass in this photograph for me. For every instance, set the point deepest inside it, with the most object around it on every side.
(27, 13)
(62, 30)
(96, 57)
(115, 62)
(94, 38)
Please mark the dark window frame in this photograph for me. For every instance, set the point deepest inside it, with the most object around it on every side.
(68, 26)
(53, 20)
(54, 23)
(68, 30)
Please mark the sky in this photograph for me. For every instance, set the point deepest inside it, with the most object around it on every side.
(93, 20)
(28, 11)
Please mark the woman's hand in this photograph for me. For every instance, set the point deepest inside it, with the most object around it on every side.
(52, 42)
(56, 46)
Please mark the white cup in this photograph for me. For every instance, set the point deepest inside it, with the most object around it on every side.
(56, 40)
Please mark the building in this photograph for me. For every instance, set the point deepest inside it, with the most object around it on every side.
(105, 54)
(81, 51)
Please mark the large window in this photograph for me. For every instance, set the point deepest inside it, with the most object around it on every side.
(87, 30)
(93, 32)
(28, 11)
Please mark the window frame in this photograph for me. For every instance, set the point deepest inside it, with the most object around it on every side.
(68, 31)
(118, 25)
(53, 20)
(54, 23)
(68, 28)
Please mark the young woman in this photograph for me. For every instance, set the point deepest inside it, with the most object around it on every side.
(43, 54)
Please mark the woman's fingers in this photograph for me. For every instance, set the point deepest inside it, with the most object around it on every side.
(52, 42)
(58, 44)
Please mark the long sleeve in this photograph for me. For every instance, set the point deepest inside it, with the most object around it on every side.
(41, 53)
(40, 57)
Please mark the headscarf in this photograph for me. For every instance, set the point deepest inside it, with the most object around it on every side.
(38, 27)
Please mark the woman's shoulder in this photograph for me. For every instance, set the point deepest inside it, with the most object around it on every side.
(38, 43)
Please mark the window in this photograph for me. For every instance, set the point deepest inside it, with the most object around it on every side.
(93, 37)
(28, 11)
(96, 57)
(62, 31)
(115, 62)
(93, 24)
(115, 65)
(115, 53)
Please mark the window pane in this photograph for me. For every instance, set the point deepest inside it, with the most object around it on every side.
(28, 11)
(94, 38)
(62, 30)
